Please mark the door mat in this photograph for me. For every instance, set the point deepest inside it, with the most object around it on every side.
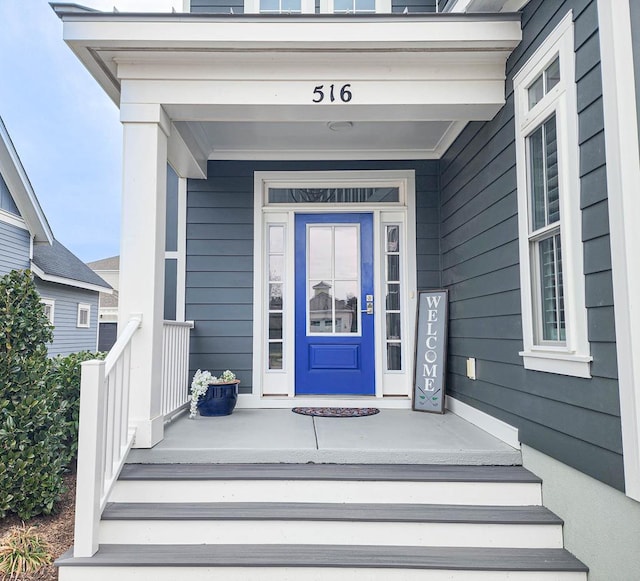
(337, 412)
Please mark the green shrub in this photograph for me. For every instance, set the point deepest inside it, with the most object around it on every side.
(64, 378)
(31, 414)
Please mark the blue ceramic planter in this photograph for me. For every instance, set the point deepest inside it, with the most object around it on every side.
(220, 399)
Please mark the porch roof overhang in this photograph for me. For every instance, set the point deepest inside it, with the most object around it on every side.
(242, 86)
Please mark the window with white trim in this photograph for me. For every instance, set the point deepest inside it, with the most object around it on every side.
(84, 316)
(554, 315)
(48, 306)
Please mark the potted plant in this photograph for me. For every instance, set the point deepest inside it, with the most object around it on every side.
(213, 396)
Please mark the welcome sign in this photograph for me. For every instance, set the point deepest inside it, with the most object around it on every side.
(431, 353)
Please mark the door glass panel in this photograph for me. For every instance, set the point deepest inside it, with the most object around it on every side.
(346, 241)
(394, 356)
(333, 275)
(275, 297)
(346, 306)
(320, 252)
(276, 239)
(275, 355)
(393, 267)
(275, 326)
(276, 267)
(393, 325)
(393, 297)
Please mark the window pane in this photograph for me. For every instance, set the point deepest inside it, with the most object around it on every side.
(365, 5)
(393, 325)
(552, 75)
(275, 355)
(551, 167)
(276, 239)
(343, 6)
(536, 92)
(320, 307)
(393, 297)
(275, 297)
(346, 307)
(346, 259)
(276, 267)
(275, 326)
(552, 292)
(291, 6)
(394, 357)
(269, 6)
(320, 247)
(393, 238)
(536, 169)
(393, 268)
(333, 195)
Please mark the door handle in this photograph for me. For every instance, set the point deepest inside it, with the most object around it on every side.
(369, 302)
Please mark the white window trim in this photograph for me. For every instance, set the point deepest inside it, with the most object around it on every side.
(12, 219)
(382, 7)
(51, 304)
(253, 7)
(83, 307)
(574, 357)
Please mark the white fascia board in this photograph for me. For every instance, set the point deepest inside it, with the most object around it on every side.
(429, 33)
(21, 190)
(68, 281)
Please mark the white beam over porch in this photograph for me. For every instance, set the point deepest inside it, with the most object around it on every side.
(142, 263)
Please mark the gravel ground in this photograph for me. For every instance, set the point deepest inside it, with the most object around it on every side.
(56, 529)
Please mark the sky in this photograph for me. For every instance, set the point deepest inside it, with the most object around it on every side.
(64, 127)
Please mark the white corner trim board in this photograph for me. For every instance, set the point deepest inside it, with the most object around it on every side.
(623, 176)
(501, 430)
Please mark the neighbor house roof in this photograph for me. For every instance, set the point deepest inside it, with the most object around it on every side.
(111, 263)
(55, 263)
(21, 190)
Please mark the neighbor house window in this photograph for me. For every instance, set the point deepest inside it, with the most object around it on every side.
(48, 306)
(355, 6)
(84, 316)
(553, 306)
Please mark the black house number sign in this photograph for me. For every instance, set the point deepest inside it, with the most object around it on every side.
(332, 93)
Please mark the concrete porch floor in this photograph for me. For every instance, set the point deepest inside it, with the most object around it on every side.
(279, 435)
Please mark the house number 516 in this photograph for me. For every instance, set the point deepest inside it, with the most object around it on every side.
(343, 93)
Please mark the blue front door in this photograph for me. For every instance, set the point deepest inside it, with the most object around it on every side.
(333, 286)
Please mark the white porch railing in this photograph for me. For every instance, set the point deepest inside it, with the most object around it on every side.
(175, 366)
(104, 436)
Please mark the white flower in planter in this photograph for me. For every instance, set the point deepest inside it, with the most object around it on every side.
(201, 382)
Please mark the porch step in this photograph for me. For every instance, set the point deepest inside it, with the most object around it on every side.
(332, 483)
(327, 562)
(325, 523)
(303, 522)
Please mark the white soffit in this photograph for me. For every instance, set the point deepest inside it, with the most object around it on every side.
(241, 83)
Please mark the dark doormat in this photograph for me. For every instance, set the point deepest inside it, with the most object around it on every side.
(337, 412)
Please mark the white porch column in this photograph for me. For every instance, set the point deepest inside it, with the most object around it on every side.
(142, 260)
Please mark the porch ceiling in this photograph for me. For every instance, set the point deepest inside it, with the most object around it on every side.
(244, 86)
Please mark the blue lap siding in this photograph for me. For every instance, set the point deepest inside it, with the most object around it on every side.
(14, 248)
(219, 281)
(574, 420)
(68, 338)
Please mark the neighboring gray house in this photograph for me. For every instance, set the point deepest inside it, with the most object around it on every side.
(69, 288)
(109, 270)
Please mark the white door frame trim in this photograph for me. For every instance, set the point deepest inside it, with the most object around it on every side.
(285, 214)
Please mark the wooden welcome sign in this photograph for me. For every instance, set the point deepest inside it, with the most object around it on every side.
(431, 351)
